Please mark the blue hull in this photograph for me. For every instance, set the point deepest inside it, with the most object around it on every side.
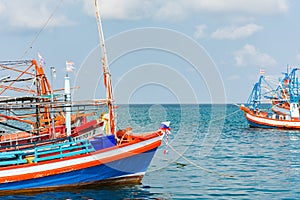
(136, 164)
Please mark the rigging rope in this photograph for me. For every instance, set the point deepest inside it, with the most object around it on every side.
(44, 26)
(194, 164)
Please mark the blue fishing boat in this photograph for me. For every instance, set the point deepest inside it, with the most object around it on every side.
(282, 103)
(65, 147)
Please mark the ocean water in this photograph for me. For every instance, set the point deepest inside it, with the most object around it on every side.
(211, 154)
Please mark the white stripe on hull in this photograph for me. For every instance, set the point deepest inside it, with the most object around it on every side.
(273, 122)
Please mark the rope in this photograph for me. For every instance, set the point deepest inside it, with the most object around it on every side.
(40, 31)
(194, 164)
(227, 115)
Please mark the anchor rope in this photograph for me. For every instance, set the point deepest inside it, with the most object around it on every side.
(226, 115)
(194, 164)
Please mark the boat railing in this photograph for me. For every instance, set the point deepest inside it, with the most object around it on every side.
(61, 150)
(45, 152)
(12, 158)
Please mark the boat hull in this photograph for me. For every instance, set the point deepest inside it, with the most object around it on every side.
(262, 120)
(117, 164)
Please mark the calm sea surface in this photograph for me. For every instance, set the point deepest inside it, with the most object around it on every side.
(212, 154)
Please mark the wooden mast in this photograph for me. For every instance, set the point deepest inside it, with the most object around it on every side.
(106, 74)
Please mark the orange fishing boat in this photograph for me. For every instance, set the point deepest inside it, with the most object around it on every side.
(283, 107)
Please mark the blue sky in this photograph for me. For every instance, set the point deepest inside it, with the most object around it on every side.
(239, 37)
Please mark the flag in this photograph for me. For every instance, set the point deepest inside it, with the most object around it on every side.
(286, 81)
(262, 71)
(70, 66)
(41, 59)
(53, 71)
(165, 126)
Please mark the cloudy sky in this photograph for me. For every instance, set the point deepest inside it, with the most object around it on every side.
(239, 37)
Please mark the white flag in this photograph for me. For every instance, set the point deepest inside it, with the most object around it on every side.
(70, 66)
(53, 71)
(41, 59)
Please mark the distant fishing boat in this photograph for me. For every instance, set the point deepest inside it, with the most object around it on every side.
(65, 143)
(283, 100)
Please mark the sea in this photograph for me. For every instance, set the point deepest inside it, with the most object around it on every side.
(211, 153)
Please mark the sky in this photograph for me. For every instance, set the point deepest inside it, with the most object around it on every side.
(171, 51)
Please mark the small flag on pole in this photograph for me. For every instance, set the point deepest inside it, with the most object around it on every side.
(164, 126)
(262, 71)
(41, 59)
(53, 72)
(70, 66)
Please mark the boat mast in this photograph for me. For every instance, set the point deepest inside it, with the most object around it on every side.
(293, 85)
(68, 104)
(106, 74)
(255, 96)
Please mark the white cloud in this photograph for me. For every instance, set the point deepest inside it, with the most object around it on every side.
(30, 14)
(33, 14)
(200, 31)
(125, 9)
(250, 56)
(241, 6)
(171, 10)
(178, 9)
(233, 32)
